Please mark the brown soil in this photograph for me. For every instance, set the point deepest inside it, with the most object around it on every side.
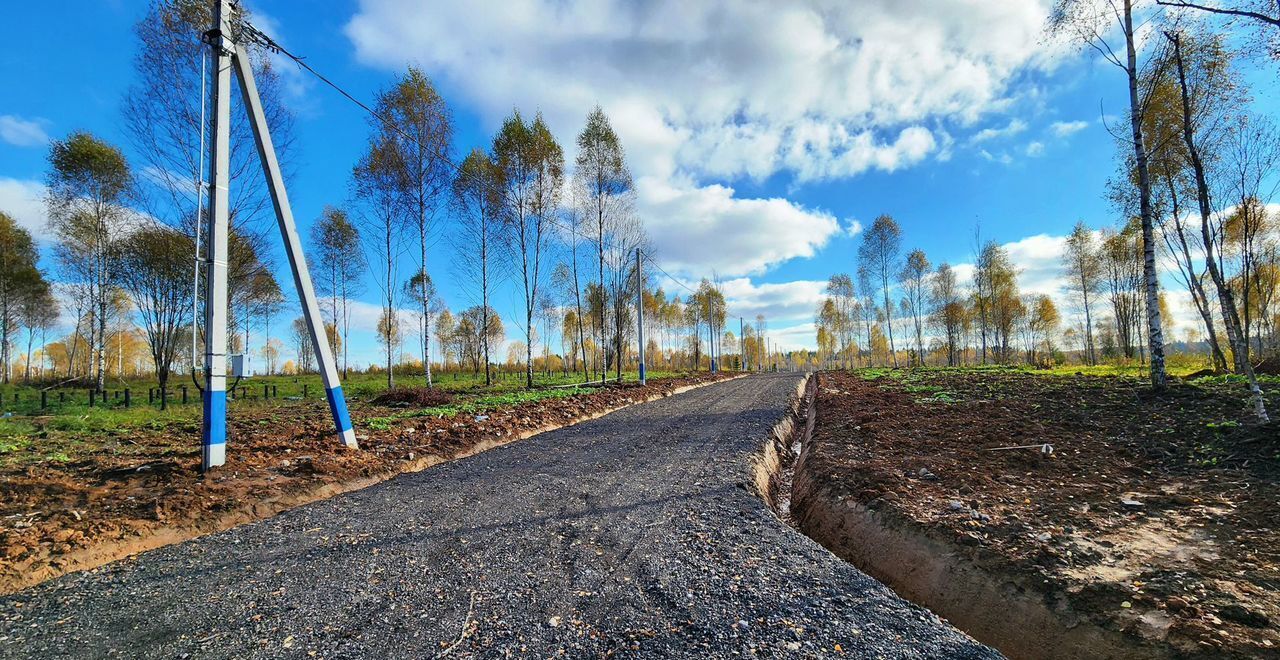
(61, 517)
(1156, 519)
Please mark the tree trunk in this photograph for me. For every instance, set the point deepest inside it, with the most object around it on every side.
(1154, 331)
(1225, 298)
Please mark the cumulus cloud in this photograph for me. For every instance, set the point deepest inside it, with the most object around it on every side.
(780, 302)
(23, 132)
(704, 229)
(23, 200)
(1014, 127)
(1067, 128)
(706, 92)
(751, 85)
(1035, 149)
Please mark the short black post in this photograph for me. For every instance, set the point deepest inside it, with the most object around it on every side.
(274, 394)
(233, 394)
(44, 399)
(126, 397)
(266, 391)
(62, 396)
(184, 393)
(151, 395)
(91, 395)
(115, 395)
(304, 390)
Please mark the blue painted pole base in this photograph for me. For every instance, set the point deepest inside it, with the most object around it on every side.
(341, 418)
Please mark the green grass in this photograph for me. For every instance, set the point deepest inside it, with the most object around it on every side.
(71, 428)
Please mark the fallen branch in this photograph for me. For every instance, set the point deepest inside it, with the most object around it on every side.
(466, 628)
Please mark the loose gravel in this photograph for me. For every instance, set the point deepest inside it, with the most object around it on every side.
(634, 535)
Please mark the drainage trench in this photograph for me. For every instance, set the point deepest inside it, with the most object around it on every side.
(932, 571)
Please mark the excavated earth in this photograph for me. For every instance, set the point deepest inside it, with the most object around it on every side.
(638, 534)
(1152, 530)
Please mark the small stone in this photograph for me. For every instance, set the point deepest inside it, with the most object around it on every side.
(1175, 604)
(1131, 504)
(956, 505)
(554, 622)
(1126, 605)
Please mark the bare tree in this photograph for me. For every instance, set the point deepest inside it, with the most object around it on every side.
(377, 185)
(914, 275)
(336, 247)
(1084, 276)
(478, 206)
(879, 253)
(948, 308)
(302, 345)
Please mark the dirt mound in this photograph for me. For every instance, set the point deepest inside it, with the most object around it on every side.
(1268, 367)
(425, 397)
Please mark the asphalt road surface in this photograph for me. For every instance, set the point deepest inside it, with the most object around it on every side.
(634, 535)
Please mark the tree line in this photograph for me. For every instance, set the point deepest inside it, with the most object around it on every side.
(126, 227)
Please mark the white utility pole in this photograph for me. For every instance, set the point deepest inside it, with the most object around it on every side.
(229, 54)
(640, 313)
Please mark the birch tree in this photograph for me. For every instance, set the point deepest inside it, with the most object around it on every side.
(335, 245)
(423, 133)
(478, 207)
(879, 253)
(603, 187)
(87, 184)
(1090, 22)
(532, 168)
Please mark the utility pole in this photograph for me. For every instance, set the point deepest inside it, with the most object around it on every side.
(214, 429)
(640, 313)
(742, 343)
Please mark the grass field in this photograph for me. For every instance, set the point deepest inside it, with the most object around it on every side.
(68, 428)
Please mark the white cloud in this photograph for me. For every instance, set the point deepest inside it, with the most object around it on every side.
(706, 92)
(749, 84)
(1035, 149)
(1066, 128)
(1014, 127)
(791, 338)
(1003, 157)
(782, 301)
(699, 230)
(23, 132)
(23, 200)
(852, 227)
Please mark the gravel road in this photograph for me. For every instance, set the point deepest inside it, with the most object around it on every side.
(634, 535)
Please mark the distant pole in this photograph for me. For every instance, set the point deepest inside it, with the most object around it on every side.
(742, 343)
(640, 313)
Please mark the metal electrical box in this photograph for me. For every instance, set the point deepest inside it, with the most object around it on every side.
(240, 366)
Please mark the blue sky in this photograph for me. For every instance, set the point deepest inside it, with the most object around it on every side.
(760, 137)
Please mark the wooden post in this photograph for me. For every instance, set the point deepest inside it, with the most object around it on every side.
(44, 399)
(126, 397)
(184, 393)
(91, 395)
